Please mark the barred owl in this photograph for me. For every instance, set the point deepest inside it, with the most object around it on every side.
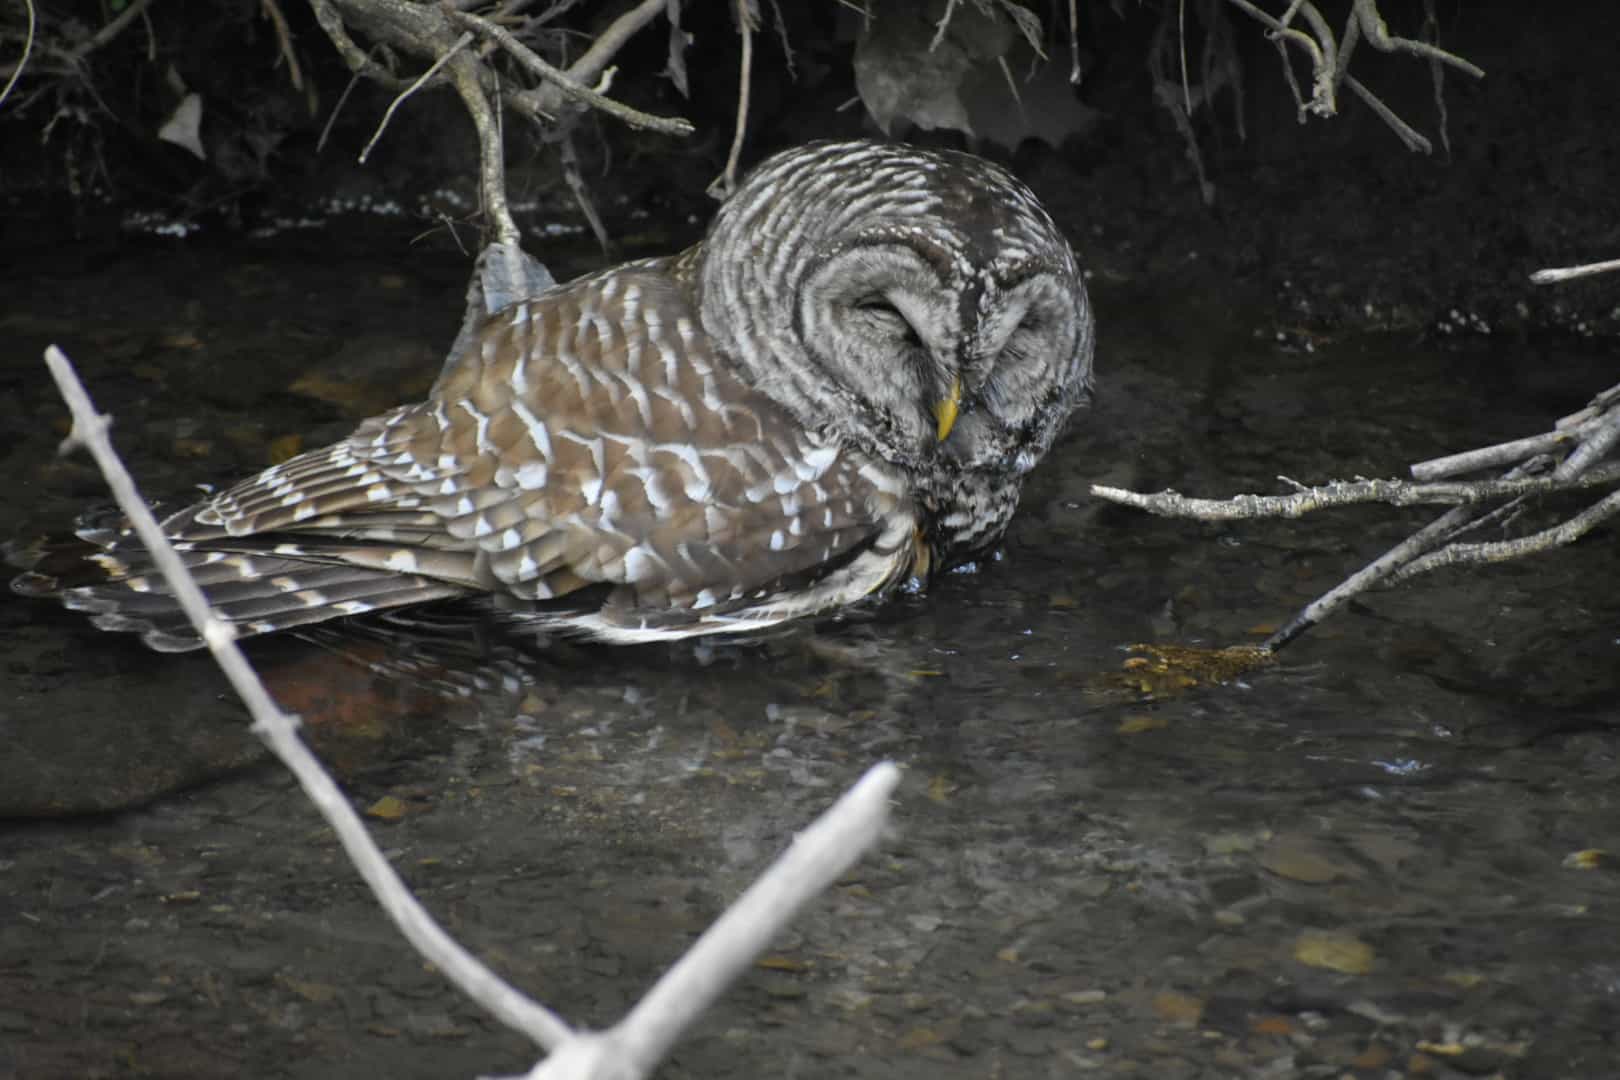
(840, 388)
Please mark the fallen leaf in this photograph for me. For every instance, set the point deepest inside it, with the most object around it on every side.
(1334, 952)
(1585, 859)
(387, 808)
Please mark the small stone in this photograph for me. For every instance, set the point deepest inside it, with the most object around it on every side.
(1339, 952)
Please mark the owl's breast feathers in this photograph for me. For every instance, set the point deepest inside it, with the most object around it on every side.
(586, 437)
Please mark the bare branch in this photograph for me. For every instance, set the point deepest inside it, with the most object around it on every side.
(1585, 437)
(359, 60)
(278, 19)
(1501, 454)
(28, 48)
(1565, 532)
(817, 857)
(605, 47)
(726, 183)
(114, 27)
(668, 125)
(421, 81)
(464, 71)
(280, 732)
(1379, 37)
(1350, 493)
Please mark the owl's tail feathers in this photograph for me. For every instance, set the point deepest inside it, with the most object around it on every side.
(257, 592)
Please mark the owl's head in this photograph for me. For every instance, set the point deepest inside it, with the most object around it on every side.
(919, 305)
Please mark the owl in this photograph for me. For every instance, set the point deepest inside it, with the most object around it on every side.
(841, 388)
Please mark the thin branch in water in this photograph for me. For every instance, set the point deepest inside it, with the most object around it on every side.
(1565, 532)
(359, 60)
(1351, 493)
(818, 856)
(1487, 457)
(1585, 438)
(280, 733)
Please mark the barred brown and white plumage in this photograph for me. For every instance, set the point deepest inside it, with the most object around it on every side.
(843, 385)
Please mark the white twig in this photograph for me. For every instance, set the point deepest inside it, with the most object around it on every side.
(399, 100)
(1349, 493)
(22, 62)
(280, 732)
(1569, 273)
(727, 181)
(817, 857)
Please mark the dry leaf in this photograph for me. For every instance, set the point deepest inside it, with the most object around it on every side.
(1334, 952)
(184, 126)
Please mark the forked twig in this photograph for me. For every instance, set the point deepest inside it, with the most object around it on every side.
(1584, 438)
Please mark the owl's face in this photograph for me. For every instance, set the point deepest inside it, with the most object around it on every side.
(921, 306)
(944, 358)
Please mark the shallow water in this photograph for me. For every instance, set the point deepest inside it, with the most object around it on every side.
(1357, 862)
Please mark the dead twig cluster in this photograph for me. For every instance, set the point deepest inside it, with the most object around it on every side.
(464, 50)
(1575, 455)
(629, 1050)
(1303, 27)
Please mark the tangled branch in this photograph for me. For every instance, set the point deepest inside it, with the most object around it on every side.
(1570, 457)
(440, 35)
(1329, 58)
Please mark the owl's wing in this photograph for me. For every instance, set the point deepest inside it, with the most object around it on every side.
(588, 460)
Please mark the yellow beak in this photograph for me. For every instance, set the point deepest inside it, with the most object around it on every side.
(947, 408)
